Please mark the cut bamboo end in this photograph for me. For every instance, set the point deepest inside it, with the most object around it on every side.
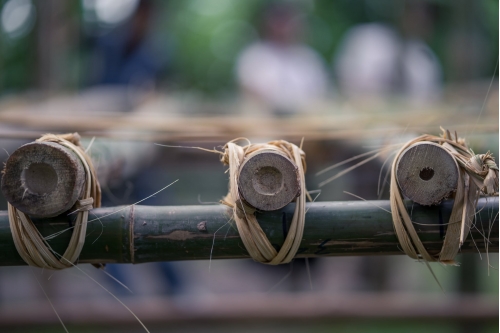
(427, 173)
(268, 180)
(43, 179)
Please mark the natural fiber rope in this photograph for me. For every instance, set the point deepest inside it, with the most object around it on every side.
(252, 235)
(478, 174)
(30, 244)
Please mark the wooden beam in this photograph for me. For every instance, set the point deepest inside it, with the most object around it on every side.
(141, 234)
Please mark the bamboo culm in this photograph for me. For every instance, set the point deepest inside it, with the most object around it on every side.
(139, 234)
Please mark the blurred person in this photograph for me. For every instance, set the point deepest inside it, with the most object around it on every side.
(280, 70)
(126, 55)
(375, 61)
(126, 62)
(124, 68)
(128, 65)
(422, 74)
(367, 61)
(286, 76)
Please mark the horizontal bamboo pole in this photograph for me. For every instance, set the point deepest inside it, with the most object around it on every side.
(287, 308)
(138, 234)
(166, 120)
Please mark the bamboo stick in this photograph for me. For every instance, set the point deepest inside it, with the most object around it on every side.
(138, 234)
(287, 308)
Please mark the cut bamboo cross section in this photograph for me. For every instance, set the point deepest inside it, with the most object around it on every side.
(268, 180)
(43, 179)
(427, 173)
(138, 234)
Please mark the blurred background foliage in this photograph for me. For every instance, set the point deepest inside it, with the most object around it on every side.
(200, 40)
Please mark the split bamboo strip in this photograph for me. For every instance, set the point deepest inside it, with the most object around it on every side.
(141, 234)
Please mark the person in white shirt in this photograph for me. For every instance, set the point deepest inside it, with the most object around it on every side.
(280, 71)
(375, 61)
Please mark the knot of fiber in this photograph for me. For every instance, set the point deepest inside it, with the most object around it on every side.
(484, 172)
(84, 204)
(232, 151)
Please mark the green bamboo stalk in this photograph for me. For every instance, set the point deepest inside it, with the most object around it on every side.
(139, 234)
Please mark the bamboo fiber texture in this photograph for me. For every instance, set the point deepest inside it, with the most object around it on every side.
(252, 235)
(478, 174)
(30, 244)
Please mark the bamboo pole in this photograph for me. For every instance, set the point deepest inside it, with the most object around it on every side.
(287, 308)
(138, 234)
(165, 120)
